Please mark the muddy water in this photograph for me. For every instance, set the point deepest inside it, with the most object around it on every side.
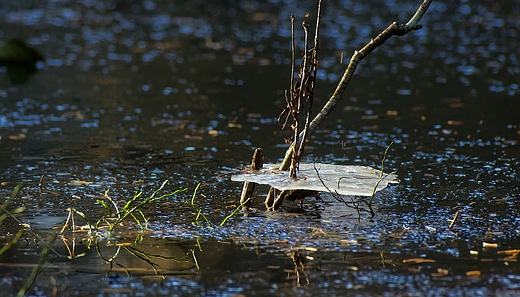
(133, 93)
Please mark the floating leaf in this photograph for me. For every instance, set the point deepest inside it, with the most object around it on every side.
(343, 179)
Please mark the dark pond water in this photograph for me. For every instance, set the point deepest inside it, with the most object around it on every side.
(133, 93)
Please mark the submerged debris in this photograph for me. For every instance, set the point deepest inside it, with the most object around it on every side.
(342, 179)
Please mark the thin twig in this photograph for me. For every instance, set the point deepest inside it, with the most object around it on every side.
(455, 217)
(40, 184)
(293, 60)
(337, 196)
(382, 176)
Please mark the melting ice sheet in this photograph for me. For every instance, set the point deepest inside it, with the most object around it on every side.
(343, 179)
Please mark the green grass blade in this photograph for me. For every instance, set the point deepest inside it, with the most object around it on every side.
(234, 212)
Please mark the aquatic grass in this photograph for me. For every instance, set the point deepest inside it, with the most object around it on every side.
(198, 209)
(4, 214)
(206, 219)
(38, 268)
(12, 214)
(115, 217)
(195, 259)
(70, 217)
(135, 252)
(133, 206)
(46, 249)
(234, 212)
(382, 176)
(146, 257)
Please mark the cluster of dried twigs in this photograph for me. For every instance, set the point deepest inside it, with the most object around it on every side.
(301, 93)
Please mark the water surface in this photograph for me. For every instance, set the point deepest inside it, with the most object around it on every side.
(133, 93)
